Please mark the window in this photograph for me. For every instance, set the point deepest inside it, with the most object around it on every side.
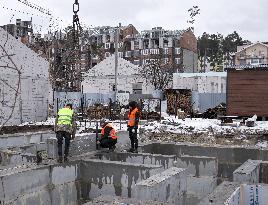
(120, 54)
(107, 46)
(136, 62)
(165, 60)
(128, 54)
(145, 52)
(107, 54)
(254, 61)
(166, 51)
(120, 45)
(177, 50)
(154, 51)
(177, 61)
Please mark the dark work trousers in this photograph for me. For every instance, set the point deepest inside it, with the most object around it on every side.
(67, 136)
(107, 142)
(133, 136)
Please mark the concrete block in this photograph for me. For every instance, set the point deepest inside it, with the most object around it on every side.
(199, 187)
(34, 138)
(101, 177)
(166, 161)
(198, 165)
(47, 135)
(264, 172)
(19, 182)
(168, 187)
(52, 150)
(249, 172)
(65, 174)
(221, 194)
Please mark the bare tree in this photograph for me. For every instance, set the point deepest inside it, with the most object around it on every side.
(8, 64)
(194, 11)
(158, 72)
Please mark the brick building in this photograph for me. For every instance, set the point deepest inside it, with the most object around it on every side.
(176, 48)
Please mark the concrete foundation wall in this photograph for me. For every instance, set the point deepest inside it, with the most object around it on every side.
(55, 184)
(229, 158)
(166, 161)
(198, 188)
(168, 187)
(198, 165)
(100, 177)
(249, 172)
(23, 139)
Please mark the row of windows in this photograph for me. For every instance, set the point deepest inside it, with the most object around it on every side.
(147, 61)
(144, 52)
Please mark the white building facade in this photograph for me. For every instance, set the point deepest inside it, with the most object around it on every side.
(31, 101)
(100, 80)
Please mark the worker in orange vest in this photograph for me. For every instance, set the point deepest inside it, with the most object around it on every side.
(133, 123)
(108, 136)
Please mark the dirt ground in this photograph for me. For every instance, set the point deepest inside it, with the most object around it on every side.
(24, 129)
(206, 138)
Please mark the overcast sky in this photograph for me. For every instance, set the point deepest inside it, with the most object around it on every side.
(247, 17)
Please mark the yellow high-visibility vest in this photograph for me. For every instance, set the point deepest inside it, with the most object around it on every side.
(65, 116)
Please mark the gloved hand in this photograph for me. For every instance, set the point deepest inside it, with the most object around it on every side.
(129, 128)
(136, 127)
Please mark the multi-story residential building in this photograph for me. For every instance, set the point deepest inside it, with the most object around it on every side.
(253, 54)
(22, 29)
(178, 49)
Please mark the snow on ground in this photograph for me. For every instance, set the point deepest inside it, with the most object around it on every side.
(210, 129)
(198, 125)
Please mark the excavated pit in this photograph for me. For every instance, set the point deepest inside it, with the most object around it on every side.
(161, 173)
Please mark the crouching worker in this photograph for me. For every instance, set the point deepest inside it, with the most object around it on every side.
(108, 136)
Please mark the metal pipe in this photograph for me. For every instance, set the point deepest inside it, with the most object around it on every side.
(116, 61)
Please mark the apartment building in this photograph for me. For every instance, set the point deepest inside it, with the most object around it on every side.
(253, 54)
(21, 30)
(177, 49)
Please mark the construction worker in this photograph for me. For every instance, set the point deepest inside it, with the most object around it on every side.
(108, 136)
(64, 127)
(133, 122)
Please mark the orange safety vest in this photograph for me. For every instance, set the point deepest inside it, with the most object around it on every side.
(132, 117)
(112, 133)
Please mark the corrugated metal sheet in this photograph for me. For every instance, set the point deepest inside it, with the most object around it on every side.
(203, 101)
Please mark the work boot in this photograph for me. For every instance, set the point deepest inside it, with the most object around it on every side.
(59, 159)
(131, 150)
(112, 148)
(66, 159)
(135, 151)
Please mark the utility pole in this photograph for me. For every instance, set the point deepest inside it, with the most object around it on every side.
(116, 61)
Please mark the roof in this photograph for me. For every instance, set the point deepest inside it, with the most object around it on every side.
(207, 74)
(251, 46)
(107, 68)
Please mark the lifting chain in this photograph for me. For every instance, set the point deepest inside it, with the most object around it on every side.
(76, 23)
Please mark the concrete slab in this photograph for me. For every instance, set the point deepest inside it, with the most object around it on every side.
(249, 172)
(168, 187)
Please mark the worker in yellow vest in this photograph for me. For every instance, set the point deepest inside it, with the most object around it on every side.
(133, 123)
(64, 127)
(108, 136)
